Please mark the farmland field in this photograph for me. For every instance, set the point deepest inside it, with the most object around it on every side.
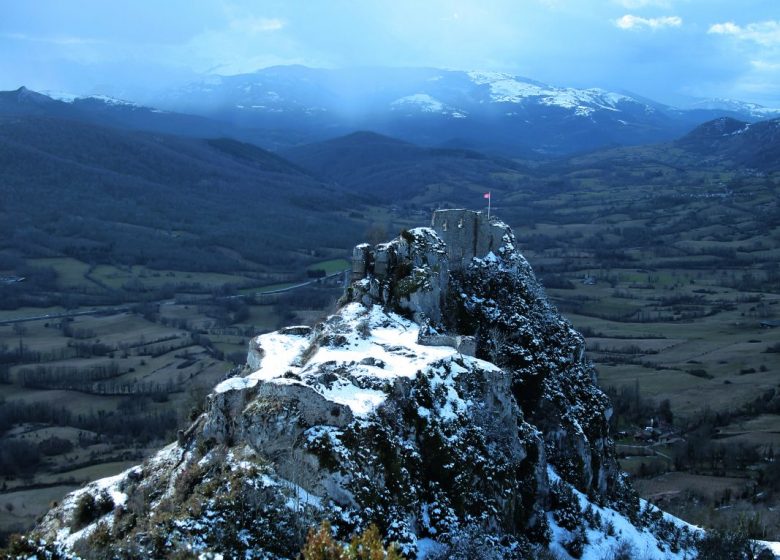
(667, 266)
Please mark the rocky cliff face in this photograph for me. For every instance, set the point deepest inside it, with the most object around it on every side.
(447, 403)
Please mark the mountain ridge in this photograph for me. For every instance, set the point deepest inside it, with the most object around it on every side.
(393, 169)
(497, 111)
(63, 179)
(487, 111)
(105, 111)
(752, 145)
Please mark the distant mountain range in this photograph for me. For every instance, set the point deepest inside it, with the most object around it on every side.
(287, 106)
(108, 112)
(488, 111)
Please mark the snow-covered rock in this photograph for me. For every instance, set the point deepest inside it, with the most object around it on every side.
(497, 452)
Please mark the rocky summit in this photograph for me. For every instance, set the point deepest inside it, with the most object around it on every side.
(446, 401)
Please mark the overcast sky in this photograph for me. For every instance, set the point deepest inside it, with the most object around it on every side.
(664, 49)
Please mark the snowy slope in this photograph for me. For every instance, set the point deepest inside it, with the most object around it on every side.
(739, 107)
(505, 88)
(391, 352)
(73, 98)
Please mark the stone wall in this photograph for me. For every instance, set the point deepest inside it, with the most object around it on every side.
(411, 273)
(466, 345)
(467, 234)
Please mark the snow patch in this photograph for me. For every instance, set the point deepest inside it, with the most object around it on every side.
(235, 384)
(423, 101)
(390, 351)
(72, 97)
(601, 545)
(505, 88)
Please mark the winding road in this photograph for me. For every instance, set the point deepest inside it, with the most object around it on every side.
(127, 308)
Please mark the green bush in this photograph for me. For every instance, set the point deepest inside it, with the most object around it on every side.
(320, 545)
(728, 545)
(88, 509)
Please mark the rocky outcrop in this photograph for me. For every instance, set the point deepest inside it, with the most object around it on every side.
(450, 405)
(409, 274)
(492, 306)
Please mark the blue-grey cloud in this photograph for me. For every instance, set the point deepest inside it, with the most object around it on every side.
(659, 48)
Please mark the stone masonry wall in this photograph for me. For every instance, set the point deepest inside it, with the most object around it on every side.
(467, 234)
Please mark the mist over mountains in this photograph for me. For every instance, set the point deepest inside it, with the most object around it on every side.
(488, 111)
(286, 106)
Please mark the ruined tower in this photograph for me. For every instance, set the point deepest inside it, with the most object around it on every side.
(467, 234)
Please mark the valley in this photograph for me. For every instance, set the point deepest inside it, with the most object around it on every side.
(665, 260)
(674, 283)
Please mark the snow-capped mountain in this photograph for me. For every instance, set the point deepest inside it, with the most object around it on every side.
(446, 402)
(486, 110)
(74, 98)
(108, 111)
(505, 88)
(364, 91)
(741, 108)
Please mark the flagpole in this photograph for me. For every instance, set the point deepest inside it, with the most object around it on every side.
(489, 200)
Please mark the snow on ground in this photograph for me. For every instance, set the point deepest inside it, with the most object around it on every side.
(427, 104)
(600, 545)
(771, 545)
(505, 88)
(111, 100)
(61, 95)
(297, 496)
(428, 547)
(111, 486)
(300, 497)
(281, 350)
(423, 101)
(374, 361)
(71, 98)
(235, 384)
(168, 455)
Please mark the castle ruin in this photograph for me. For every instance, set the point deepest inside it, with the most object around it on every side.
(466, 234)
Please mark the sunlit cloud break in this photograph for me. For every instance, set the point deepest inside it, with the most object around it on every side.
(766, 33)
(629, 21)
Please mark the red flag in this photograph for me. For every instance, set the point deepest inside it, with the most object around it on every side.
(486, 195)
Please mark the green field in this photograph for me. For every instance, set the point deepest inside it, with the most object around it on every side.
(681, 261)
(330, 266)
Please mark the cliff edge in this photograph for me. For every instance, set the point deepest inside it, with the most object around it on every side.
(446, 401)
